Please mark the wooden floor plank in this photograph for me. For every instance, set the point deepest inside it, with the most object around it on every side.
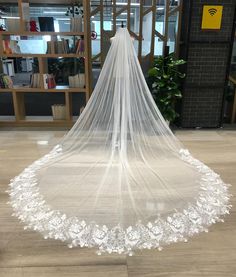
(27, 254)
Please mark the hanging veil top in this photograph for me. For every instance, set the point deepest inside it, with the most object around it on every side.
(119, 180)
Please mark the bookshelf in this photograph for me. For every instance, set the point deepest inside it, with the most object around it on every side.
(18, 93)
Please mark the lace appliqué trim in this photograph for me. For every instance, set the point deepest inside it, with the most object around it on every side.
(30, 207)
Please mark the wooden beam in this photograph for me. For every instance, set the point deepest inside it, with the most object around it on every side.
(128, 14)
(134, 35)
(148, 11)
(87, 39)
(179, 22)
(68, 105)
(140, 32)
(41, 71)
(1, 44)
(19, 105)
(159, 35)
(20, 9)
(98, 9)
(101, 30)
(152, 48)
(166, 24)
(114, 15)
(120, 11)
(96, 57)
(175, 10)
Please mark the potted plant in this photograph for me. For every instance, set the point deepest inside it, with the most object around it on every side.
(165, 80)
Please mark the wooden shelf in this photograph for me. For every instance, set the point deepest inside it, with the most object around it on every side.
(27, 33)
(23, 55)
(18, 94)
(35, 123)
(26, 89)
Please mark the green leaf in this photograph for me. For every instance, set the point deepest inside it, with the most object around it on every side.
(182, 75)
(154, 85)
(152, 72)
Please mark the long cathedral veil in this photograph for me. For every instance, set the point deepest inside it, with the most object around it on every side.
(119, 180)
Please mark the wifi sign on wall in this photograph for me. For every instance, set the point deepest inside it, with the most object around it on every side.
(212, 17)
(212, 11)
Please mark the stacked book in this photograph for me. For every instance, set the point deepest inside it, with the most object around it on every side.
(76, 24)
(60, 47)
(48, 81)
(35, 80)
(59, 112)
(77, 81)
(5, 81)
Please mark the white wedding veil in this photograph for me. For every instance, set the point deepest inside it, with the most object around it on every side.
(119, 180)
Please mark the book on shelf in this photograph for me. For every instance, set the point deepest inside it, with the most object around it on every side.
(77, 81)
(48, 81)
(46, 24)
(45, 81)
(79, 47)
(60, 47)
(5, 81)
(50, 47)
(10, 47)
(76, 24)
(35, 80)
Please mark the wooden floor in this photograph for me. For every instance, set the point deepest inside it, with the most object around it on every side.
(26, 254)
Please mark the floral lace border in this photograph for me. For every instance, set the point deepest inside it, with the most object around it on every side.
(30, 207)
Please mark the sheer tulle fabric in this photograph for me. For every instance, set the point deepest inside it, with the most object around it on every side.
(119, 180)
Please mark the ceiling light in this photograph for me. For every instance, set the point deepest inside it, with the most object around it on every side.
(53, 12)
(63, 19)
(126, 13)
(13, 17)
(124, 4)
